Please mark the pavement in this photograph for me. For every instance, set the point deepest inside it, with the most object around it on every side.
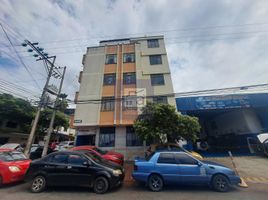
(248, 167)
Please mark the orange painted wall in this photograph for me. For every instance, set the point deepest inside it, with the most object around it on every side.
(111, 68)
(129, 67)
(108, 90)
(107, 118)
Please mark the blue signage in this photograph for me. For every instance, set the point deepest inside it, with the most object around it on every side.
(222, 102)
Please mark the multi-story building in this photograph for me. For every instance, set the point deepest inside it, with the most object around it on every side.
(118, 78)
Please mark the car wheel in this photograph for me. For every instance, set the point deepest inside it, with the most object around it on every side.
(155, 183)
(101, 185)
(220, 183)
(38, 184)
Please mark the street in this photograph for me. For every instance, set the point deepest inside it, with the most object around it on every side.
(134, 191)
(252, 168)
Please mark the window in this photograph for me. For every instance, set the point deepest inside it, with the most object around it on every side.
(160, 99)
(111, 59)
(76, 160)
(153, 43)
(132, 137)
(157, 79)
(107, 104)
(155, 59)
(129, 58)
(107, 137)
(167, 158)
(130, 103)
(109, 79)
(129, 78)
(59, 158)
(184, 159)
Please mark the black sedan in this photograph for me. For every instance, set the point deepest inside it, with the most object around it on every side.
(36, 152)
(74, 168)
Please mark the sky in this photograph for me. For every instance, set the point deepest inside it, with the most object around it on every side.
(210, 43)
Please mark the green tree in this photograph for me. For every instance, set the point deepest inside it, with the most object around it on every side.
(17, 110)
(161, 123)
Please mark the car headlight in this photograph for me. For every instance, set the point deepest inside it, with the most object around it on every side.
(14, 169)
(117, 172)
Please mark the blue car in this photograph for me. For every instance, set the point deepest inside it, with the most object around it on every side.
(162, 168)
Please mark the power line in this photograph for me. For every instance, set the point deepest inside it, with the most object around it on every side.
(24, 65)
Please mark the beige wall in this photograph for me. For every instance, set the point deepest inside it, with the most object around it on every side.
(91, 87)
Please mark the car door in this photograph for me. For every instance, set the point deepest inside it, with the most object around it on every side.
(80, 169)
(56, 168)
(191, 170)
(166, 165)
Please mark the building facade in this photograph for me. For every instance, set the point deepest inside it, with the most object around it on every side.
(118, 78)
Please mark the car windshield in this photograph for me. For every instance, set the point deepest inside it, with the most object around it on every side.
(9, 146)
(102, 152)
(12, 156)
(94, 157)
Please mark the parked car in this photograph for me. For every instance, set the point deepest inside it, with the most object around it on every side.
(14, 146)
(36, 152)
(74, 168)
(171, 147)
(108, 155)
(13, 166)
(258, 144)
(162, 168)
(65, 145)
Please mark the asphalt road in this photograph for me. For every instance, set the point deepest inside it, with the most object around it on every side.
(134, 191)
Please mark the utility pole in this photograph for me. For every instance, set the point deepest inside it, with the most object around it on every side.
(42, 56)
(50, 129)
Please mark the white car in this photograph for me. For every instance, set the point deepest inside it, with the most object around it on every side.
(65, 145)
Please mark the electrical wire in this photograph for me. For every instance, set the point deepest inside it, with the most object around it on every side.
(24, 65)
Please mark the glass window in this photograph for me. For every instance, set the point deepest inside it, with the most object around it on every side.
(129, 78)
(111, 59)
(107, 137)
(130, 102)
(132, 138)
(157, 79)
(160, 99)
(153, 43)
(107, 104)
(59, 158)
(155, 59)
(76, 160)
(185, 159)
(109, 79)
(129, 58)
(167, 158)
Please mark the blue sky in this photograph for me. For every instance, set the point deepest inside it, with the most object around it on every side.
(210, 44)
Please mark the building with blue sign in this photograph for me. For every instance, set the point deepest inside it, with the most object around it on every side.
(228, 120)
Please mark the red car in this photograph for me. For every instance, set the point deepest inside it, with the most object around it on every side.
(108, 155)
(13, 166)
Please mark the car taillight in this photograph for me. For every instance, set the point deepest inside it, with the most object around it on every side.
(135, 167)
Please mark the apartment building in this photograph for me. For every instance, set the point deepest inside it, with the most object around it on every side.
(118, 78)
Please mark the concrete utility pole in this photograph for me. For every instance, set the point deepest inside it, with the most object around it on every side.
(50, 129)
(42, 56)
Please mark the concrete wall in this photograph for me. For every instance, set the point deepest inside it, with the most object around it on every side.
(90, 88)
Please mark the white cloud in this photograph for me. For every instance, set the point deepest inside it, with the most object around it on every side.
(196, 65)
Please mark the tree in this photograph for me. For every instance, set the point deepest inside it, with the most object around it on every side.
(161, 123)
(16, 110)
(22, 112)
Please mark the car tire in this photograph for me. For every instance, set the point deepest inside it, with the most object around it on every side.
(220, 183)
(101, 185)
(155, 183)
(38, 184)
